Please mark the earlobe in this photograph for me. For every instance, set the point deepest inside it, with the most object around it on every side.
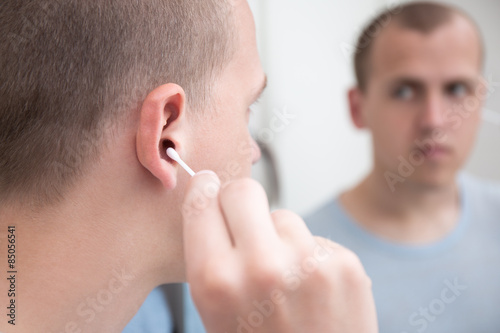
(160, 127)
(355, 107)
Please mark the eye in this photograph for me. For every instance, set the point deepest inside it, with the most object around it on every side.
(252, 109)
(404, 93)
(457, 90)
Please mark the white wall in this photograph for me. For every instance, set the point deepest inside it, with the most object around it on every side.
(305, 47)
(319, 152)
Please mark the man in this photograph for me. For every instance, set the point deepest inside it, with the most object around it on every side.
(427, 235)
(91, 207)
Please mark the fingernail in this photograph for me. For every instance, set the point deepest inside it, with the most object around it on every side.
(209, 172)
(206, 172)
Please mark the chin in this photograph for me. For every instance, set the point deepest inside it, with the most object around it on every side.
(435, 178)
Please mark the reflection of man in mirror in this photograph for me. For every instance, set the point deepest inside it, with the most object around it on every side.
(427, 234)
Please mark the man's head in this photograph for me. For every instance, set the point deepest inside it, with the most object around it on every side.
(73, 70)
(93, 95)
(419, 91)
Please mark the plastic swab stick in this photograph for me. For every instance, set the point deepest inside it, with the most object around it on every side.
(173, 155)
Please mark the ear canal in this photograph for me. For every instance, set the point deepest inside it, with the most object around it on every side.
(167, 144)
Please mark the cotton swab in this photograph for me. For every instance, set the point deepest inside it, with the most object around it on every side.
(173, 155)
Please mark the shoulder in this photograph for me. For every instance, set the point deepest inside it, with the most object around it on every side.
(482, 193)
(324, 218)
(486, 189)
(325, 210)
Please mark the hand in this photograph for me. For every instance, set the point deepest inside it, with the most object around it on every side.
(251, 271)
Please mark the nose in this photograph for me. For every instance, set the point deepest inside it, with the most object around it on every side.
(256, 153)
(432, 115)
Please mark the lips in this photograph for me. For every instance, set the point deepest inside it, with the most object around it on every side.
(436, 151)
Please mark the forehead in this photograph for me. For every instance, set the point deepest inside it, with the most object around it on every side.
(243, 74)
(246, 54)
(452, 49)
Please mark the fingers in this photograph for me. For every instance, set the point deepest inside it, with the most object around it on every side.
(292, 229)
(205, 232)
(246, 209)
(238, 256)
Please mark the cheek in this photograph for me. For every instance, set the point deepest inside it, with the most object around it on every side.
(392, 131)
(245, 152)
(390, 145)
(235, 160)
(466, 133)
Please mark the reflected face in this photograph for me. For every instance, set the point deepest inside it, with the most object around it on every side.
(223, 141)
(423, 101)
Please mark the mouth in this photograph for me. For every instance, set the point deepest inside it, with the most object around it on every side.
(435, 152)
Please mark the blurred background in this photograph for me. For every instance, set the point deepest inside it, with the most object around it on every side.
(312, 152)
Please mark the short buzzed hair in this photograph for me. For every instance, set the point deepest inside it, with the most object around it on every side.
(70, 68)
(424, 17)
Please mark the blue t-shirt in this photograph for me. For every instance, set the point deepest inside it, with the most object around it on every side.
(452, 285)
(153, 316)
(192, 319)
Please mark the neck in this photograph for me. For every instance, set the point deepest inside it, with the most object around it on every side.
(82, 266)
(414, 213)
(410, 197)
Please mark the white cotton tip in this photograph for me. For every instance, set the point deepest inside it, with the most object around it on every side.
(175, 156)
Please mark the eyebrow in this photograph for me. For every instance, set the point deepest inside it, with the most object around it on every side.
(259, 91)
(421, 84)
(406, 81)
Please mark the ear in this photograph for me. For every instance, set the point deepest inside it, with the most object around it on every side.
(162, 117)
(355, 96)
